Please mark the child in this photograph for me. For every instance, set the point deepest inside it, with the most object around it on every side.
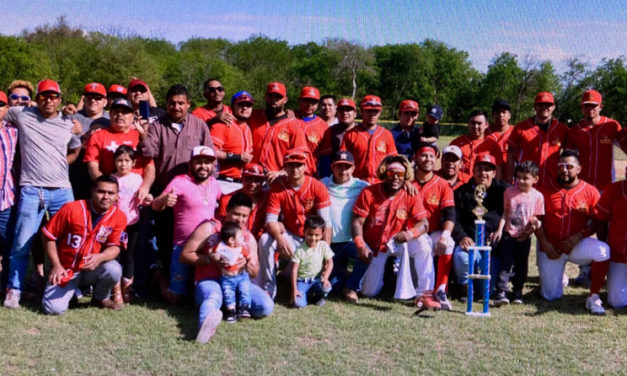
(129, 182)
(235, 282)
(522, 204)
(312, 265)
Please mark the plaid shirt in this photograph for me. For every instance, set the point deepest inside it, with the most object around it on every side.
(8, 143)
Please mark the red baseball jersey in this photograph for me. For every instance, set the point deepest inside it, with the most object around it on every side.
(470, 148)
(386, 216)
(272, 141)
(543, 148)
(257, 219)
(206, 114)
(501, 139)
(595, 144)
(612, 207)
(368, 150)
(462, 178)
(567, 210)
(297, 205)
(76, 237)
(314, 133)
(436, 194)
(236, 138)
(104, 142)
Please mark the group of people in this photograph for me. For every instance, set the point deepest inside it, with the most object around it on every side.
(239, 199)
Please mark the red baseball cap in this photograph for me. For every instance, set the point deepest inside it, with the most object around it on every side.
(276, 87)
(203, 151)
(3, 97)
(486, 158)
(310, 92)
(137, 82)
(346, 102)
(253, 169)
(117, 89)
(48, 85)
(371, 102)
(591, 97)
(294, 155)
(95, 88)
(408, 106)
(544, 97)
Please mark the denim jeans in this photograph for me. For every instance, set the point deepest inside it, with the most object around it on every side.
(460, 265)
(180, 274)
(312, 287)
(29, 216)
(209, 298)
(7, 227)
(234, 287)
(514, 254)
(343, 253)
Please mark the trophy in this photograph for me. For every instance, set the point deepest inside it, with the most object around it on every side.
(482, 249)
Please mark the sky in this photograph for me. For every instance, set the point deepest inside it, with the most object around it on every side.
(554, 30)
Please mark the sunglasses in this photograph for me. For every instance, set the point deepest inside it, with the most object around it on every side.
(215, 89)
(49, 96)
(2, 105)
(15, 97)
(94, 97)
(410, 114)
(392, 174)
(139, 88)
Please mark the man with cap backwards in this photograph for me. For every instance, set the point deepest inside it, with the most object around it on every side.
(538, 139)
(214, 111)
(346, 113)
(369, 142)
(439, 202)
(8, 144)
(138, 91)
(45, 138)
(344, 189)
(475, 142)
(594, 137)
(193, 197)
(500, 129)
(451, 167)
(565, 234)
(314, 128)
(404, 132)
(234, 142)
(430, 130)
(253, 179)
(274, 132)
(386, 218)
(291, 200)
(484, 172)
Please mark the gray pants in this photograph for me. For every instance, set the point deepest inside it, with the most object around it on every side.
(266, 278)
(57, 299)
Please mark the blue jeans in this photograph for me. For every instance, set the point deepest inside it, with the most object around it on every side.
(234, 286)
(29, 216)
(180, 274)
(209, 299)
(343, 253)
(311, 287)
(460, 265)
(7, 227)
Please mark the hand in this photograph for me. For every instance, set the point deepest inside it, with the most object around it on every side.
(466, 242)
(69, 109)
(440, 247)
(550, 251)
(246, 157)
(402, 237)
(570, 242)
(77, 128)
(295, 294)
(495, 237)
(525, 234)
(273, 175)
(92, 261)
(170, 199)
(147, 200)
(240, 263)
(365, 255)
(56, 275)
(141, 125)
(410, 188)
(226, 118)
(283, 247)
(325, 283)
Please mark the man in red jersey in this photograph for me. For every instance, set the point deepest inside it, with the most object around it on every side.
(214, 111)
(291, 200)
(569, 223)
(369, 142)
(451, 167)
(275, 132)
(538, 139)
(475, 142)
(313, 126)
(499, 131)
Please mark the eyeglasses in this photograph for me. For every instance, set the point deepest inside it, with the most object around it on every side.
(215, 89)
(48, 96)
(15, 97)
(2, 105)
(94, 97)
(294, 165)
(567, 166)
(410, 114)
(397, 174)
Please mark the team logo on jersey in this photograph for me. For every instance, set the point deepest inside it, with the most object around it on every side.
(309, 203)
(284, 136)
(401, 214)
(313, 138)
(582, 206)
(605, 139)
(103, 234)
(556, 141)
(433, 199)
(381, 147)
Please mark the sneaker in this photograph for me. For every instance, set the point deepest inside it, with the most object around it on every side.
(517, 297)
(595, 305)
(209, 326)
(12, 299)
(583, 279)
(231, 316)
(350, 295)
(445, 305)
(244, 313)
(426, 301)
(501, 299)
(321, 303)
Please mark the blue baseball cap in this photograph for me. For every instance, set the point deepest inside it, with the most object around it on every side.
(242, 96)
(122, 102)
(435, 111)
(343, 157)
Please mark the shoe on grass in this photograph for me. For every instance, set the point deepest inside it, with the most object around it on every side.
(426, 301)
(445, 305)
(107, 303)
(12, 298)
(244, 312)
(595, 305)
(321, 303)
(231, 316)
(501, 299)
(209, 326)
(517, 297)
(350, 295)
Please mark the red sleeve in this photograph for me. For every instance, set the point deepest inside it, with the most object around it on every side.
(595, 196)
(391, 145)
(224, 201)
(273, 205)
(218, 135)
(604, 205)
(514, 138)
(361, 208)
(325, 147)
(92, 151)
(56, 226)
(322, 196)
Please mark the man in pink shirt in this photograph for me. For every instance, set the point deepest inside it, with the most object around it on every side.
(193, 197)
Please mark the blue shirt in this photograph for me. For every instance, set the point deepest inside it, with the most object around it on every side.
(403, 141)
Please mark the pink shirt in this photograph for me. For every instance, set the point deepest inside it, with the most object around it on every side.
(128, 185)
(519, 207)
(195, 204)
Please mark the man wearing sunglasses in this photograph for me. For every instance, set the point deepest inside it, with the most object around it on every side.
(47, 148)
(20, 93)
(214, 111)
(139, 91)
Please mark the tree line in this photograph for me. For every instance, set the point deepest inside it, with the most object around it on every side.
(429, 72)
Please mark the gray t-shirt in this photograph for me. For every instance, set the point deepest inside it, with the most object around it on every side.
(44, 145)
(88, 123)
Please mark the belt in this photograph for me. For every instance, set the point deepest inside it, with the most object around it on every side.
(306, 280)
(230, 180)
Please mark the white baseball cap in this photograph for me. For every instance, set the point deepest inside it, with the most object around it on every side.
(453, 150)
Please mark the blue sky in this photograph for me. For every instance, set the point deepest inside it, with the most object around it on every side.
(555, 30)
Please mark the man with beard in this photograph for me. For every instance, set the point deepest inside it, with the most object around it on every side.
(193, 198)
(214, 111)
(314, 128)
(82, 241)
(451, 167)
(475, 142)
(569, 223)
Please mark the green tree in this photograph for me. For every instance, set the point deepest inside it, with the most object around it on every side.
(22, 60)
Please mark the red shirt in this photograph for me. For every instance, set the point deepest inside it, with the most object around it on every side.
(386, 216)
(462, 178)
(436, 194)
(612, 207)
(501, 139)
(543, 148)
(104, 142)
(76, 237)
(257, 219)
(567, 210)
(368, 150)
(205, 114)
(315, 130)
(236, 138)
(273, 141)
(470, 148)
(297, 205)
(596, 149)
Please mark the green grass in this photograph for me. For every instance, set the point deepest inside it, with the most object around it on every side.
(371, 338)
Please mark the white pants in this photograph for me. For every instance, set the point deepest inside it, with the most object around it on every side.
(266, 278)
(434, 238)
(552, 271)
(617, 285)
(227, 186)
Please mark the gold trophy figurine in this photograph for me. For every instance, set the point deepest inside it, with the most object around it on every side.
(480, 210)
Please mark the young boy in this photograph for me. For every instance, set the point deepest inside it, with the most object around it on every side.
(522, 204)
(235, 282)
(312, 265)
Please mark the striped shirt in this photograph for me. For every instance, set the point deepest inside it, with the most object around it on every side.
(8, 142)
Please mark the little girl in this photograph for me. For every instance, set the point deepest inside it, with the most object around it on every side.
(129, 182)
